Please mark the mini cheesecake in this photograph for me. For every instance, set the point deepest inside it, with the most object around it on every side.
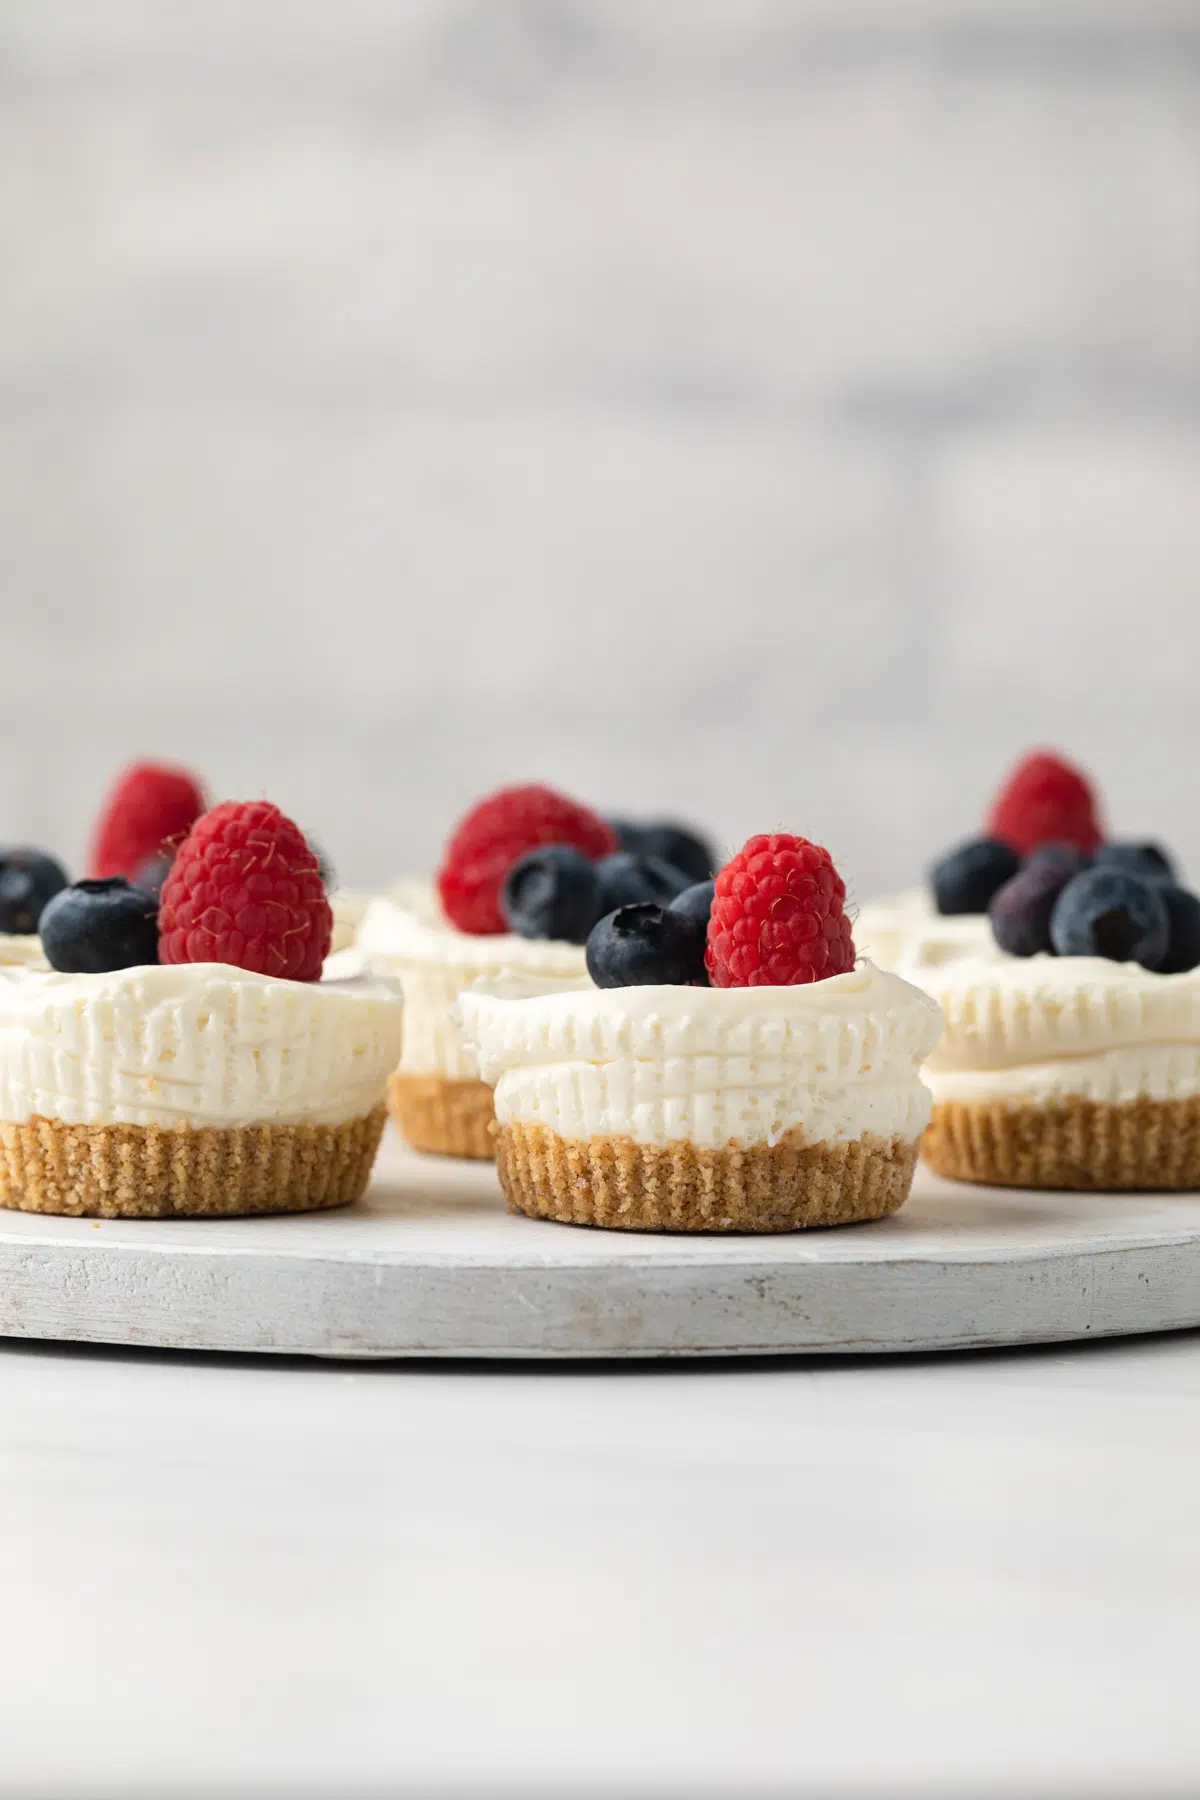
(197, 1089)
(1065, 1072)
(691, 1109)
(526, 875)
(436, 1095)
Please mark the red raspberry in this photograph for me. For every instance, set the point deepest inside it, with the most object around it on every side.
(1045, 801)
(777, 916)
(151, 806)
(246, 889)
(494, 834)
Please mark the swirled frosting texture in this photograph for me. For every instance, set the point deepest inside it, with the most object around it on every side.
(835, 1060)
(202, 1044)
(406, 934)
(1047, 1028)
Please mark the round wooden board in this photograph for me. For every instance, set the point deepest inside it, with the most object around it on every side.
(431, 1264)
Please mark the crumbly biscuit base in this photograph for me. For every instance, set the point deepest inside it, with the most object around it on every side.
(618, 1184)
(450, 1118)
(150, 1172)
(1074, 1143)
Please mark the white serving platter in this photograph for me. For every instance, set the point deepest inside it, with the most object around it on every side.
(431, 1264)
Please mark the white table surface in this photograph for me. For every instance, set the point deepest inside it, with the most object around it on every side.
(945, 1574)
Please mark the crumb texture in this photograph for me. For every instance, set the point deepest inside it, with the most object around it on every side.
(616, 1183)
(148, 1172)
(450, 1118)
(1075, 1143)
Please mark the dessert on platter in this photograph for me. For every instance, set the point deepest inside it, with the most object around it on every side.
(525, 876)
(729, 1066)
(1071, 1053)
(183, 1056)
(1044, 802)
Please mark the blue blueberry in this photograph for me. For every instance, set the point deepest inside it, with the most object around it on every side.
(1020, 911)
(629, 835)
(552, 893)
(684, 849)
(627, 878)
(1146, 860)
(100, 925)
(1183, 919)
(151, 874)
(646, 946)
(965, 879)
(1057, 856)
(695, 903)
(1110, 913)
(28, 879)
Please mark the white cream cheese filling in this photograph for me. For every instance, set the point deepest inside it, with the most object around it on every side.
(835, 1060)
(203, 1044)
(1044, 1028)
(406, 935)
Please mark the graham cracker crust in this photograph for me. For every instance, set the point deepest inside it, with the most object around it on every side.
(449, 1118)
(618, 1184)
(148, 1172)
(1075, 1143)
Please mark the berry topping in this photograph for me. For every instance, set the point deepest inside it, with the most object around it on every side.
(1109, 913)
(1020, 910)
(1146, 860)
(100, 925)
(28, 880)
(245, 889)
(628, 878)
(498, 831)
(1044, 801)
(151, 806)
(695, 903)
(151, 873)
(629, 835)
(668, 842)
(646, 946)
(965, 879)
(552, 893)
(778, 916)
(1183, 921)
(1059, 856)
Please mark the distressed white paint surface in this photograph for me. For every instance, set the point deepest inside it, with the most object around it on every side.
(432, 1264)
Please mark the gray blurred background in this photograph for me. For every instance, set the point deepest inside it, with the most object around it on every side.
(782, 411)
